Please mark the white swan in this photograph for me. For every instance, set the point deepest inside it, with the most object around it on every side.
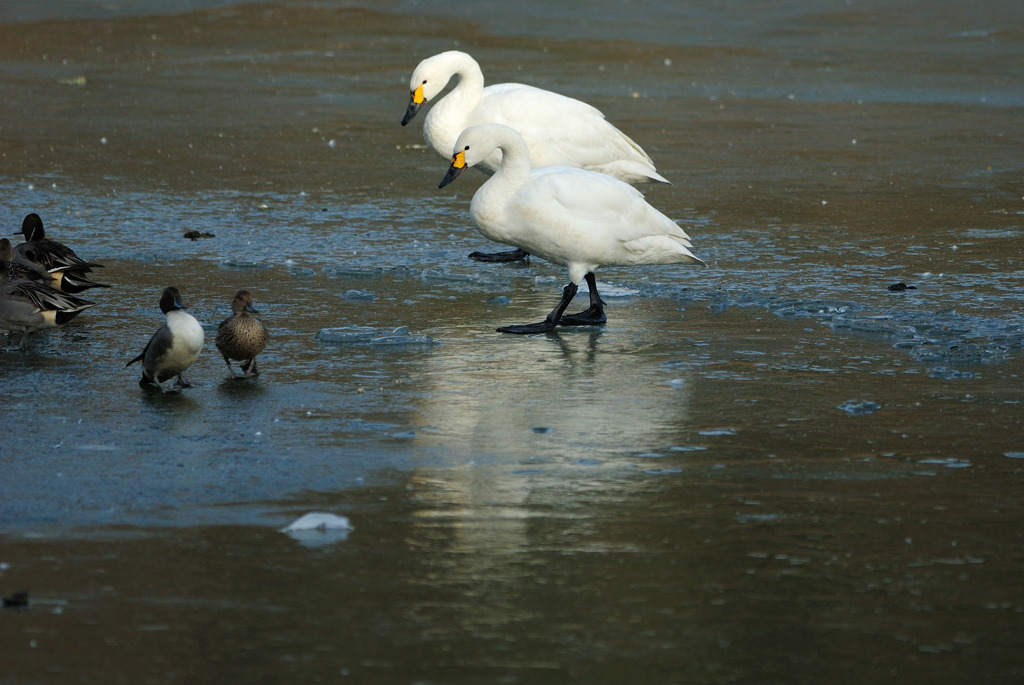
(557, 129)
(573, 217)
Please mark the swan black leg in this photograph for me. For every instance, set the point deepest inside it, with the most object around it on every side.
(548, 324)
(594, 316)
(516, 255)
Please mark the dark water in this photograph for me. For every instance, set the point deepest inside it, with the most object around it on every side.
(772, 470)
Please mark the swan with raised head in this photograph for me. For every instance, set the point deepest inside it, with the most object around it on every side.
(573, 217)
(557, 129)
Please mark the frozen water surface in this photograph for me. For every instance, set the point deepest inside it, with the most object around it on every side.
(773, 469)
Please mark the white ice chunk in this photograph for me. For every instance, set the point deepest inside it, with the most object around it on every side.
(318, 528)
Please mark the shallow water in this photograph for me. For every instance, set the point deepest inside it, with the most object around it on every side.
(774, 469)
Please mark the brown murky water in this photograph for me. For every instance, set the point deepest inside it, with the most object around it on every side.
(770, 470)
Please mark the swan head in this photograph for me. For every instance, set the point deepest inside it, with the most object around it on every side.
(457, 166)
(416, 100)
(429, 79)
(473, 146)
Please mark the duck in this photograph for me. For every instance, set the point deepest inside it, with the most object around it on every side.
(558, 130)
(572, 217)
(11, 270)
(242, 336)
(28, 306)
(67, 270)
(173, 347)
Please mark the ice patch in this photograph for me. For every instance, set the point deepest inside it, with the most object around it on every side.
(366, 335)
(859, 407)
(318, 528)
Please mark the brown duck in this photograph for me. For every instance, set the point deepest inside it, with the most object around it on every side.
(242, 336)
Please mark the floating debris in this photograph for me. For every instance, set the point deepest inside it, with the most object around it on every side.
(76, 81)
(900, 287)
(318, 528)
(196, 235)
(18, 600)
(859, 407)
(366, 335)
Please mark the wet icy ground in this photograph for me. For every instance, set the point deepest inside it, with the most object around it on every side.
(774, 469)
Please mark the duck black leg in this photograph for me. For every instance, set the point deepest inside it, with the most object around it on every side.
(516, 255)
(21, 345)
(594, 316)
(249, 368)
(548, 324)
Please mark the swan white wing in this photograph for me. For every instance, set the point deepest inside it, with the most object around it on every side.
(560, 130)
(594, 199)
(572, 216)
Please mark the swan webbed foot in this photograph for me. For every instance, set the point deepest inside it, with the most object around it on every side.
(545, 326)
(594, 316)
(516, 255)
(549, 323)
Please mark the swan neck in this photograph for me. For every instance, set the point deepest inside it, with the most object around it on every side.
(471, 79)
(515, 159)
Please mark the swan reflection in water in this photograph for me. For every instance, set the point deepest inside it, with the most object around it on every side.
(550, 428)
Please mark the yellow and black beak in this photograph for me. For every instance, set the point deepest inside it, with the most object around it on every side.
(416, 101)
(457, 166)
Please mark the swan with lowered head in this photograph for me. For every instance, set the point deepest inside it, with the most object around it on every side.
(569, 216)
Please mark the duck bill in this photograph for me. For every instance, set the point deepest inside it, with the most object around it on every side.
(457, 166)
(416, 101)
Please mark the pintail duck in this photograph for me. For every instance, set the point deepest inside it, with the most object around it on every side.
(29, 306)
(11, 270)
(173, 347)
(242, 336)
(67, 270)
